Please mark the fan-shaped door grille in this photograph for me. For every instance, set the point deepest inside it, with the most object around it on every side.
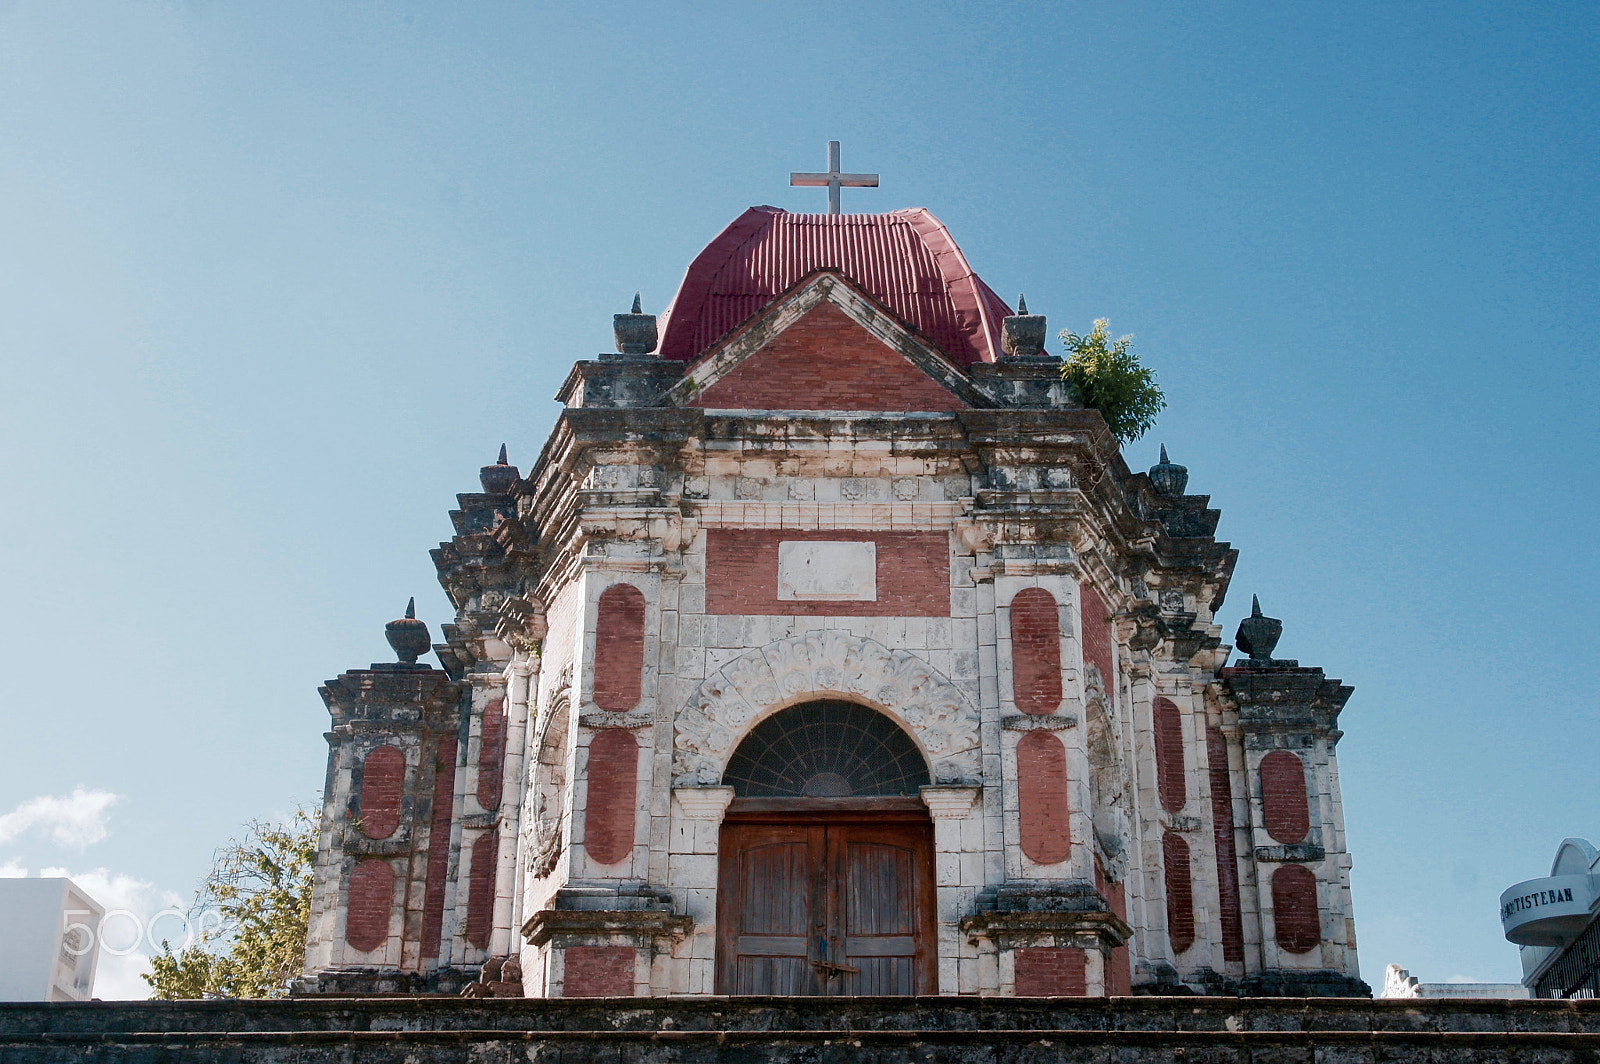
(826, 749)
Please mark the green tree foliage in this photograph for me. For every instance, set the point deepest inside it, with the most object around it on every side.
(1107, 376)
(250, 917)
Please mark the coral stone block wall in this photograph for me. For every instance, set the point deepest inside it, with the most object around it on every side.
(491, 754)
(438, 867)
(619, 648)
(1097, 634)
(1222, 825)
(1180, 891)
(1297, 921)
(613, 796)
(480, 889)
(1171, 778)
(1036, 651)
(1285, 810)
(367, 919)
(913, 573)
(826, 361)
(598, 971)
(383, 775)
(1051, 971)
(1042, 798)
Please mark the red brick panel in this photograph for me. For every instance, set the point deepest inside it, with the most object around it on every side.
(443, 812)
(480, 888)
(598, 971)
(619, 648)
(383, 780)
(1119, 980)
(1227, 856)
(742, 573)
(1170, 775)
(1097, 636)
(825, 361)
(1035, 651)
(1051, 971)
(1297, 921)
(613, 796)
(1284, 807)
(1042, 797)
(1180, 891)
(491, 754)
(366, 920)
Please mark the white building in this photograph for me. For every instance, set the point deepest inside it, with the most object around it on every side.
(48, 944)
(1399, 983)
(1556, 921)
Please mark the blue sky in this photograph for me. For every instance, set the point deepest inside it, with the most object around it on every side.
(278, 279)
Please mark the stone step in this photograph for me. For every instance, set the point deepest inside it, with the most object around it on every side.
(807, 1047)
(843, 1014)
(379, 1027)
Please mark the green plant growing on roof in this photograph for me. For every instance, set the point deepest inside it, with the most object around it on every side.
(1105, 374)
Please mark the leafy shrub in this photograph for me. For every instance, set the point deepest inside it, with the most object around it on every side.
(1106, 375)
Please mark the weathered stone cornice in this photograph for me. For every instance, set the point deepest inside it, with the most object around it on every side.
(646, 925)
(619, 382)
(415, 695)
(1285, 698)
(1099, 929)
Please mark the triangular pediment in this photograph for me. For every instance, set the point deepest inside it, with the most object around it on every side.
(825, 345)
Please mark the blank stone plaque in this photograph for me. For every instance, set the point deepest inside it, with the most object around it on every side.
(828, 570)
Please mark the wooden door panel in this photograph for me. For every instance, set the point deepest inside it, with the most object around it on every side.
(879, 882)
(880, 975)
(767, 887)
(826, 908)
(880, 908)
(775, 912)
(789, 976)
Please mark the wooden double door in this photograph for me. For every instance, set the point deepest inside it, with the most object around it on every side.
(826, 897)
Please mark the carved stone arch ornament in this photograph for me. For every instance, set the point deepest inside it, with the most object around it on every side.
(1109, 788)
(545, 828)
(823, 664)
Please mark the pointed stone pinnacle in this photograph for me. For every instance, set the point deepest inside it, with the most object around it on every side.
(636, 309)
(502, 459)
(411, 609)
(1022, 304)
(1255, 606)
(1163, 452)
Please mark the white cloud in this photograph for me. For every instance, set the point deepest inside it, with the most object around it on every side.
(128, 938)
(77, 821)
(12, 870)
(118, 978)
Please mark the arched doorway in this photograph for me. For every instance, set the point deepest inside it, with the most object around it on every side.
(826, 878)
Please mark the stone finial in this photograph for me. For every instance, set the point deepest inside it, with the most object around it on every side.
(635, 332)
(1022, 334)
(1168, 478)
(498, 478)
(408, 636)
(1258, 635)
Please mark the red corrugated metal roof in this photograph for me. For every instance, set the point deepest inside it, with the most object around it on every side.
(905, 259)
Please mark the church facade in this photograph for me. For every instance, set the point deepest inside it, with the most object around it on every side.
(829, 647)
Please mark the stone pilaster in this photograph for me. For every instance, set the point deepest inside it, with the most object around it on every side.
(379, 883)
(1288, 727)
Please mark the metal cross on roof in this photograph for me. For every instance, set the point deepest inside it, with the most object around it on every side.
(834, 179)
